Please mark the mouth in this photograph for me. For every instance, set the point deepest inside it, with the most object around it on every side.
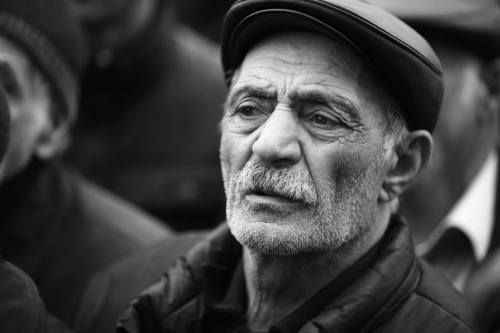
(267, 196)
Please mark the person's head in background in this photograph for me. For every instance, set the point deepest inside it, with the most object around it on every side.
(466, 37)
(41, 56)
(111, 24)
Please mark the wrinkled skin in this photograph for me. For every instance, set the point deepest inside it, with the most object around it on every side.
(313, 113)
(310, 178)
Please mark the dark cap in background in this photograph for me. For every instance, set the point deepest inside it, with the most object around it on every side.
(403, 59)
(51, 36)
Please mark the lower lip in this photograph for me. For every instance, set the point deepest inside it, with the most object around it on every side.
(270, 199)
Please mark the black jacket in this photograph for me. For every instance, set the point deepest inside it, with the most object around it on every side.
(397, 293)
(61, 230)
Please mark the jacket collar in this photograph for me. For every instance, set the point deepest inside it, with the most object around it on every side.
(374, 296)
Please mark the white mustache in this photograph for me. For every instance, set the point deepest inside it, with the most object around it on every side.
(292, 183)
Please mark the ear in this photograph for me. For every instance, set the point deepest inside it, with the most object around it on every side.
(409, 158)
(52, 140)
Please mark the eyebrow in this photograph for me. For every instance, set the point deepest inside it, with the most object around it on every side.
(323, 96)
(267, 92)
(309, 94)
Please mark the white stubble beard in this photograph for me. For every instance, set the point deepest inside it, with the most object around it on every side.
(337, 220)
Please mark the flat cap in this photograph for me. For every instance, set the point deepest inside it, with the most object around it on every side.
(474, 24)
(401, 57)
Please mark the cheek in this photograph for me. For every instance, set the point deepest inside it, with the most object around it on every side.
(350, 168)
(235, 150)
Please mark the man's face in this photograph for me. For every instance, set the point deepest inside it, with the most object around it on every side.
(302, 148)
(28, 100)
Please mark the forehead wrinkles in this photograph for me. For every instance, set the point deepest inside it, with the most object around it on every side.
(302, 59)
(289, 61)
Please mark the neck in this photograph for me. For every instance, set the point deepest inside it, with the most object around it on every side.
(272, 293)
(276, 285)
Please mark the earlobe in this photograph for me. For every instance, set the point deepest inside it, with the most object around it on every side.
(410, 157)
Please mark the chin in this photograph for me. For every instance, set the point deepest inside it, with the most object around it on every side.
(264, 238)
(277, 237)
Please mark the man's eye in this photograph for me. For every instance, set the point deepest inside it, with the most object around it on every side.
(247, 111)
(322, 121)
(245, 117)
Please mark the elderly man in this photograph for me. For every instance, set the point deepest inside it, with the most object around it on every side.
(56, 227)
(326, 123)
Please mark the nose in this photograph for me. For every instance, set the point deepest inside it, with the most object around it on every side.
(277, 143)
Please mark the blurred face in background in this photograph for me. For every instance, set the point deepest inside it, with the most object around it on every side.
(464, 136)
(113, 23)
(29, 102)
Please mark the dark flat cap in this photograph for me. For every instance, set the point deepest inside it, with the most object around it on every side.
(403, 59)
(472, 23)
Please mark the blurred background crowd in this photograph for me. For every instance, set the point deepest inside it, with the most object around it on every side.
(112, 167)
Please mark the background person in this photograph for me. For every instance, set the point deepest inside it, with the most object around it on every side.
(150, 106)
(56, 227)
(21, 308)
(453, 207)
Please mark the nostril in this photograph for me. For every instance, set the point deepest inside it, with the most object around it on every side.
(284, 162)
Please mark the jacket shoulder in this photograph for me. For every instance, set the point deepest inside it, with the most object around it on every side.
(436, 300)
(173, 303)
(154, 310)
